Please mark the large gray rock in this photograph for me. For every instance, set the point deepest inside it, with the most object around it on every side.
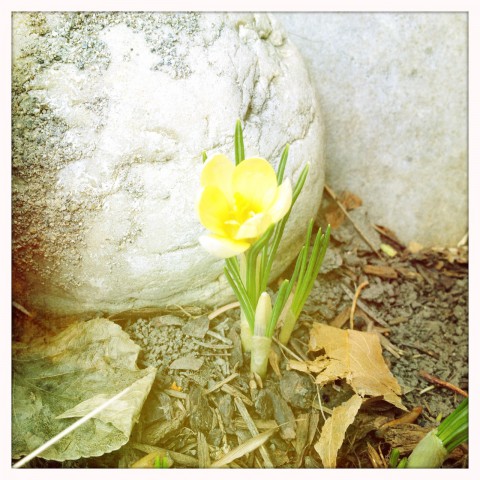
(393, 90)
(111, 114)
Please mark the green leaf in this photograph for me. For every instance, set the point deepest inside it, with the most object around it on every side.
(394, 457)
(280, 301)
(278, 232)
(253, 289)
(300, 183)
(454, 429)
(238, 288)
(282, 164)
(204, 156)
(239, 148)
(60, 379)
(307, 279)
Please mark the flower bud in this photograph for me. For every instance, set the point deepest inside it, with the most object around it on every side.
(263, 314)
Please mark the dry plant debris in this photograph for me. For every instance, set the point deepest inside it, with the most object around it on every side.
(333, 432)
(415, 303)
(353, 356)
(65, 377)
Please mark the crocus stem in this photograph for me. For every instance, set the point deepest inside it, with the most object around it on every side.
(245, 330)
(245, 333)
(260, 351)
(429, 453)
(287, 327)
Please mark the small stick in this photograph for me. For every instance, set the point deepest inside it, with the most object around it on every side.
(22, 309)
(367, 310)
(409, 417)
(223, 309)
(442, 383)
(421, 349)
(216, 335)
(283, 347)
(175, 394)
(357, 228)
(211, 345)
(427, 389)
(354, 303)
(234, 392)
(221, 383)
(253, 430)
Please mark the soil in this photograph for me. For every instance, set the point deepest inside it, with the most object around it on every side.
(204, 398)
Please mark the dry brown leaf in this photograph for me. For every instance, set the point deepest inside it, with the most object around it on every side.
(334, 216)
(350, 200)
(333, 432)
(355, 356)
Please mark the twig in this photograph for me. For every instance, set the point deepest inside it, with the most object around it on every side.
(357, 228)
(22, 309)
(354, 303)
(408, 417)
(212, 346)
(175, 394)
(367, 310)
(427, 389)
(442, 383)
(221, 383)
(216, 335)
(223, 309)
(244, 448)
(283, 347)
(388, 345)
(390, 235)
(296, 345)
(70, 429)
(253, 430)
(236, 393)
(422, 349)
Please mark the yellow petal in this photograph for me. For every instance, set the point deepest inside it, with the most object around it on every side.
(254, 227)
(255, 179)
(283, 201)
(212, 209)
(222, 247)
(217, 172)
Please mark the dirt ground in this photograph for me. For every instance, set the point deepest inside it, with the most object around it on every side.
(204, 401)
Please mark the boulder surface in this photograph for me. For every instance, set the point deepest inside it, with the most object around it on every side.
(111, 113)
(393, 92)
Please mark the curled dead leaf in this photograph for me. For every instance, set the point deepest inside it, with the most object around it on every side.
(333, 432)
(354, 356)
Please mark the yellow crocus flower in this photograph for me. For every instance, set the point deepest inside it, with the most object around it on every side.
(238, 203)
